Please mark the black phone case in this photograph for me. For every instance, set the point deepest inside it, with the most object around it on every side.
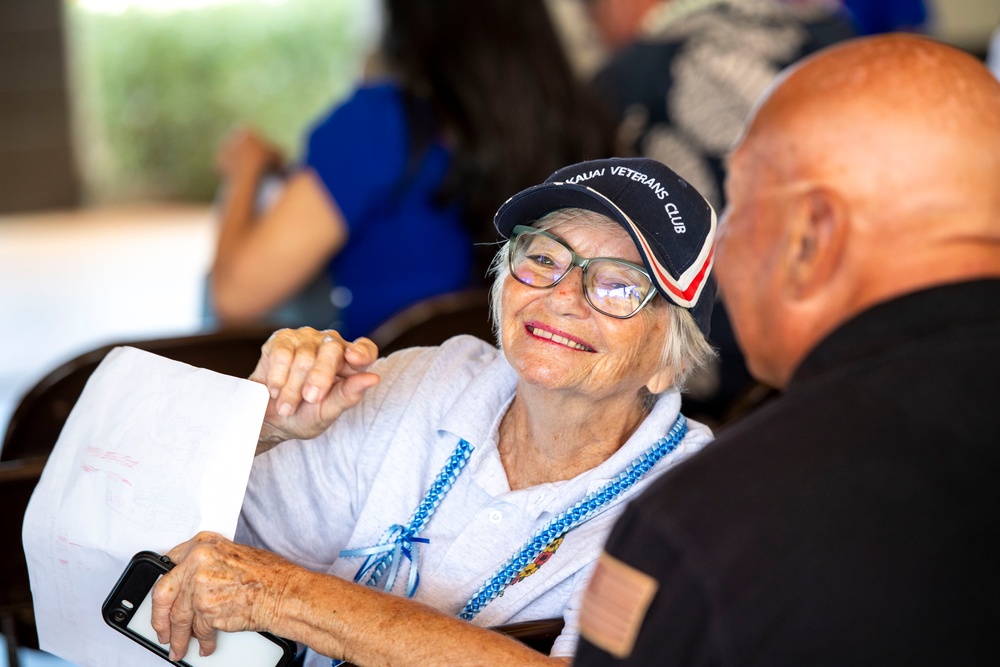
(138, 577)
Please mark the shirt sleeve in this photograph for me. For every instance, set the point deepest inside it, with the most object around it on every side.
(678, 627)
(304, 496)
(359, 151)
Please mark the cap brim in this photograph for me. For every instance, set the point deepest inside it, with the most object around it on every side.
(537, 201)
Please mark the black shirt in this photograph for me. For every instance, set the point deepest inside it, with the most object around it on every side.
(852, 521)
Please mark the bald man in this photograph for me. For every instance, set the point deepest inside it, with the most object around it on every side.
(855, 519)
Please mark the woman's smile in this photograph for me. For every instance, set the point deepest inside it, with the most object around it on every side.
(541, 331)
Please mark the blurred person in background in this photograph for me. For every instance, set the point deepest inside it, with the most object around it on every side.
(463, 103)
(871, 17)
(681, 78)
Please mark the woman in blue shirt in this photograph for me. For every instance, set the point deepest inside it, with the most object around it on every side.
(470, 101)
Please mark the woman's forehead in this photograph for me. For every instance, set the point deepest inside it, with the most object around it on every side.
(579, 215)
(594, 235)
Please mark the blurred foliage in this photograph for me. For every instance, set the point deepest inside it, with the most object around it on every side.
(157, 92)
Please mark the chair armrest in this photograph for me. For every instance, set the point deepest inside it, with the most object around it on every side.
(538, 635)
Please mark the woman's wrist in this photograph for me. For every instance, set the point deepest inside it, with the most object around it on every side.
(269, 438)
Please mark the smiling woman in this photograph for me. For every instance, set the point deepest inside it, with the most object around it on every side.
(480, 482)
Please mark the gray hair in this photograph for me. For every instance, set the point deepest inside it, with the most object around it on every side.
(685, 349)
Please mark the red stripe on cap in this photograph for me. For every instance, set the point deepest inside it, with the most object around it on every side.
(700, 278)
(666, 280)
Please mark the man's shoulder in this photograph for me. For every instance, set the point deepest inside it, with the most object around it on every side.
(745, 458)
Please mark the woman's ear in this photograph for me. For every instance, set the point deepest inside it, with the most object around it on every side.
(819, 237)
(660, 381)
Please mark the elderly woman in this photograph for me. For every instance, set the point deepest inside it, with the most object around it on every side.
(437, 486)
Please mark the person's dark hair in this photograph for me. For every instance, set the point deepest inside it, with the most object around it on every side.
(492, 77)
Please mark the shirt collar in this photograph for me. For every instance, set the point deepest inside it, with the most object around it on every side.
(910, 317)
(474, 417)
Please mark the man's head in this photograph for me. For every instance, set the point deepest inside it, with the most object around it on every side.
(869, 171)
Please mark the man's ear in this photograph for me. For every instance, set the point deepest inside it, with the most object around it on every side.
(818, 241)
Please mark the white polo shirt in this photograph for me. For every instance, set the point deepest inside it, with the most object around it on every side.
(308, 500)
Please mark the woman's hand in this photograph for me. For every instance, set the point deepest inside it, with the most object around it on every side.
(246, 151)
(216, 585)
(312, 377)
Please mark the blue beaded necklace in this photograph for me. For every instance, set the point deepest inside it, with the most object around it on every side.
(571, 518)
(398, 542)
(383, 559)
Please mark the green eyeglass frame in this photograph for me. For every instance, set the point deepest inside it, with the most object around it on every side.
(583, 263)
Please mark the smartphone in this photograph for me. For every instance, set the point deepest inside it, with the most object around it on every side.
(129, 610)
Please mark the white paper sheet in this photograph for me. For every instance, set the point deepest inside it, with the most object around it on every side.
(153, 452)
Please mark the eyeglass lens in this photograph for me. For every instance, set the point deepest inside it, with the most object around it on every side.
(611, 286)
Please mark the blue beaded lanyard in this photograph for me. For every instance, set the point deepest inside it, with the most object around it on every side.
(398, 542)
(571, 518)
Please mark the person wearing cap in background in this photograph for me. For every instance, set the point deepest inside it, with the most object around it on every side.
(478, 481)
(853, 520)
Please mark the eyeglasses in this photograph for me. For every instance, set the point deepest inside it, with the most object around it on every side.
(613, 287)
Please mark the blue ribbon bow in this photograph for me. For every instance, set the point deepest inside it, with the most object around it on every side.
(395, 544)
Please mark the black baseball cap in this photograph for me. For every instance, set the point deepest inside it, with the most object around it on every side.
(669, 221)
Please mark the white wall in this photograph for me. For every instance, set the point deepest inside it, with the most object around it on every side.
(964, 23)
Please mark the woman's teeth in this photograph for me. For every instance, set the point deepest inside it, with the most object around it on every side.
(556, 338)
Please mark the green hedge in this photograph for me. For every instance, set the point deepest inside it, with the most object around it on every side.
(157, 92)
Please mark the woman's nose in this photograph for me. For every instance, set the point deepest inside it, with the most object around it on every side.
(568, 297)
